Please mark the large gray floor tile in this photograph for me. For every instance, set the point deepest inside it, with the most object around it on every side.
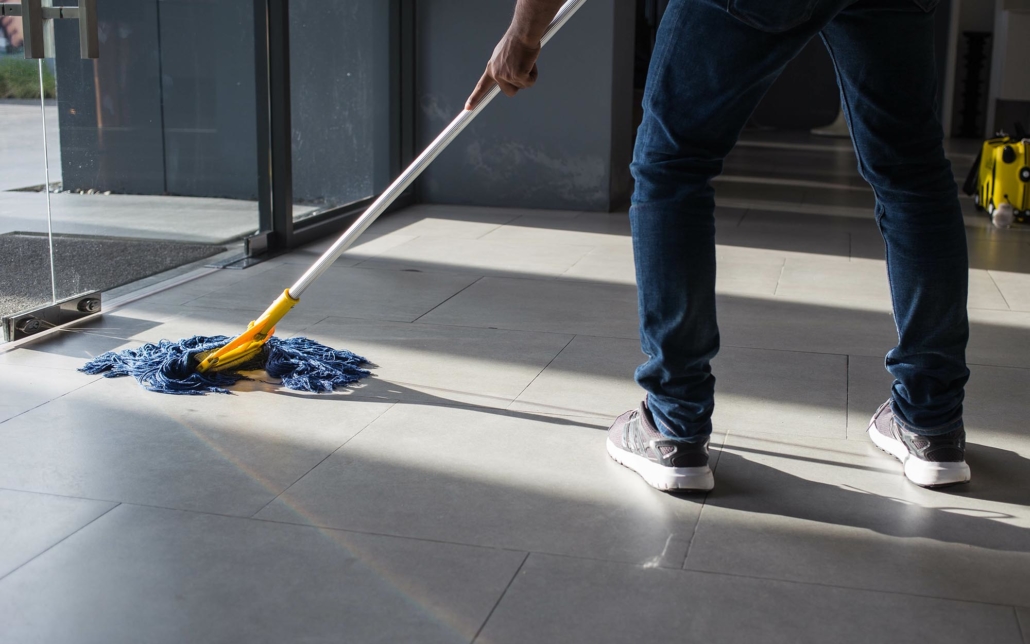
(355, 292)
(792, 242)
(25, 387)
(1023, 615)
(367, 246)
(1015, 287)
(442, 364)
(998, 338)
(481, 256)
(115, 441)
(590, 229)
(869, 384)
(445, 221)
(771, 391)
(741, 270)
(609, 263)
(179, 294)
(780, 392)
(592, 376)
(501, 479)
(208, 321)
(32, 523)
(153, 575)
(549, 306)
(764, 323)
(841, 513)
(854, 284)
(570, 601)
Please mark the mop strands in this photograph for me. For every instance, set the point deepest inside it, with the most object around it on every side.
(200, 365)
(171, 367)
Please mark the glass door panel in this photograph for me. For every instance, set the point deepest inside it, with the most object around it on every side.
(156, 140)
(340, 79)
(25, 258)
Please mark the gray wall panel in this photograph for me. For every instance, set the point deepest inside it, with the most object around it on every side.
(207, 59)
(110, 110)
(553, 146)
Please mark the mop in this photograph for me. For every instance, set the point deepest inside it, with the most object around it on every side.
(200, 365)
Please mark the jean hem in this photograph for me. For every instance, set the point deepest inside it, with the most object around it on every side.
(937, 430)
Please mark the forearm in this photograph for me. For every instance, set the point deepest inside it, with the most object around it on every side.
(532, 18)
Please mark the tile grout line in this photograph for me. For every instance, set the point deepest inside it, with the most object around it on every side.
(501, 598)
(462, 290)
(704, 503)
(327, 457)
(95, 379)
(502, 548)
(59, 542)
(847, 396)
(779, 278)
(1004, 299)
(540, 373)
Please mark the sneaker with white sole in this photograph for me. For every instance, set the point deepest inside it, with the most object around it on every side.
(665, 463)
(930, 461)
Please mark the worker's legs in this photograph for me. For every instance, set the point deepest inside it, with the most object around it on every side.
(884, 55)
(708, 73)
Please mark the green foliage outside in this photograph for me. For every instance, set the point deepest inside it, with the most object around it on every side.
(19, 78)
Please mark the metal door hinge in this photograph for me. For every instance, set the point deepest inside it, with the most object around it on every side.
(22, 325)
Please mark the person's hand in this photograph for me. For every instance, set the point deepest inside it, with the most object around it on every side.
(12, 28)
(512, 66)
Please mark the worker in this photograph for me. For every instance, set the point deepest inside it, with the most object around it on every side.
(713, 61)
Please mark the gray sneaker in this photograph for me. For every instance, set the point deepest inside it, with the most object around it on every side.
(665, 463)
(930, 461)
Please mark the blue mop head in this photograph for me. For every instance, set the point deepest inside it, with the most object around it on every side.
(170, 368)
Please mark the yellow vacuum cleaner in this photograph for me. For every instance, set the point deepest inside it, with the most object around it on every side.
(999, 180)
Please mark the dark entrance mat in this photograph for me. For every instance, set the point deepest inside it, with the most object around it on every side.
(82, 263)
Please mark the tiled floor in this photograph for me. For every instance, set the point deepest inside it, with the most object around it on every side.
(464, 493)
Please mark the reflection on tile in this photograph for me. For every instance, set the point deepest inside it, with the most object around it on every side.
(539, 305)
(442, 364)
(32, 523)
(501, 479)
(569, 601)
(147, 574)
(841, 512)
(224, 454)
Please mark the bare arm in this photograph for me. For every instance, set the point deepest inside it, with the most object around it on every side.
(513, 64)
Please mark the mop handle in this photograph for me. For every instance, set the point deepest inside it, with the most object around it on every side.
(412, 172)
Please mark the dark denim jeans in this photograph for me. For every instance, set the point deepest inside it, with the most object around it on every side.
(713, 61)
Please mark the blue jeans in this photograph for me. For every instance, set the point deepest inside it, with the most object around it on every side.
(713, 61)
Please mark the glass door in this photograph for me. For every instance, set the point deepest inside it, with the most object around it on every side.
(151, 147)
(340, 90)
(28, 116)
